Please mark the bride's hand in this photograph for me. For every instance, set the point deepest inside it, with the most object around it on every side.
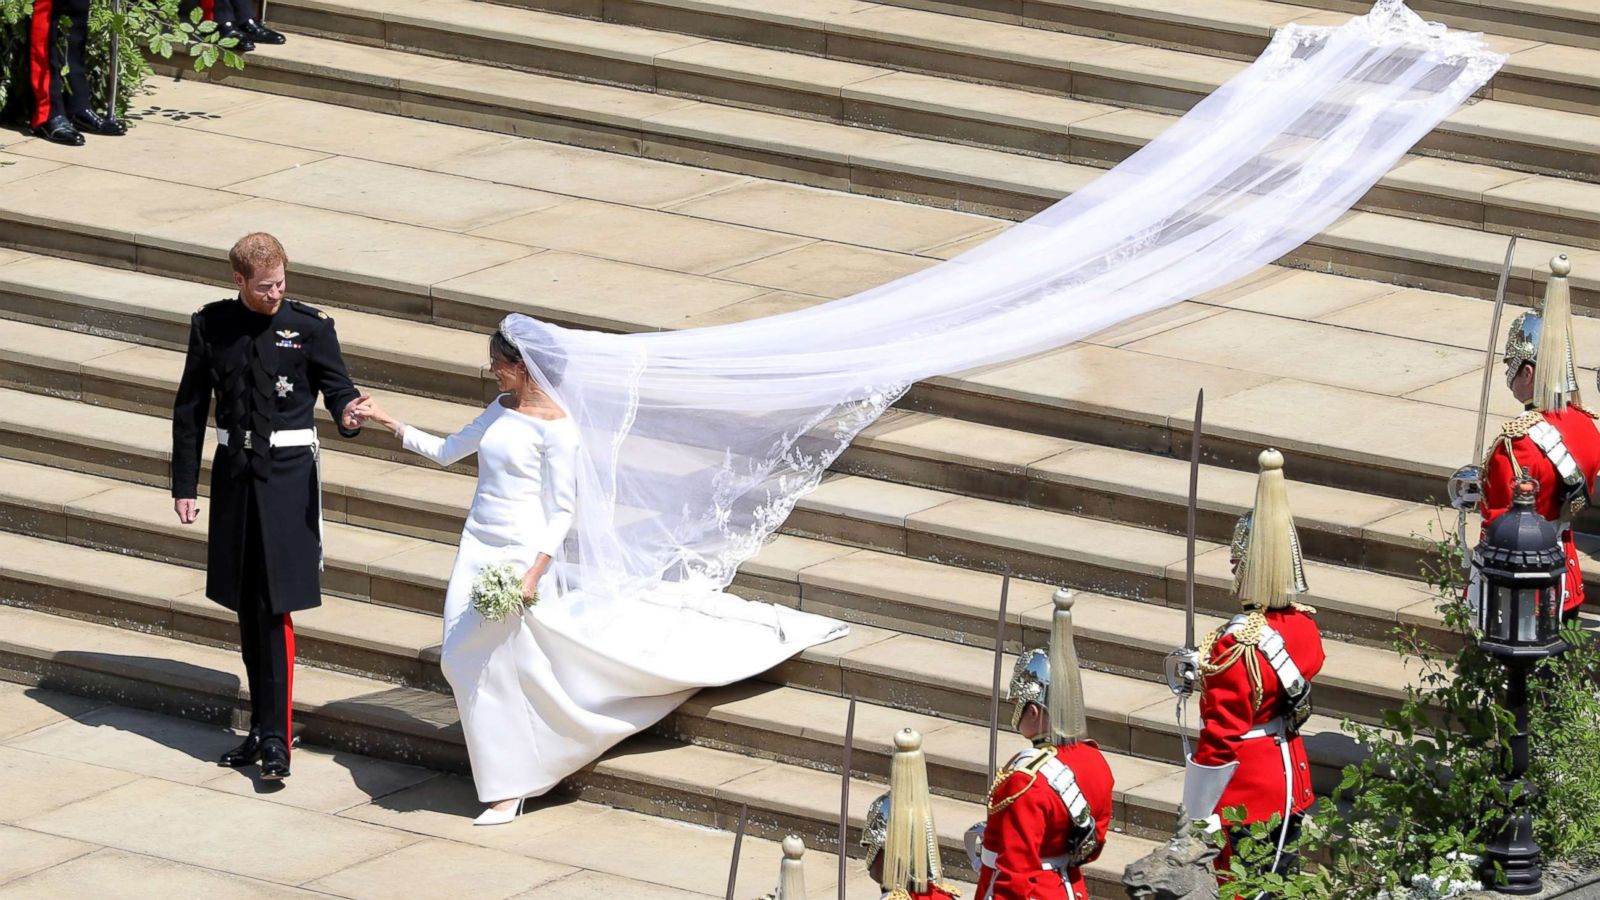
(530, 586)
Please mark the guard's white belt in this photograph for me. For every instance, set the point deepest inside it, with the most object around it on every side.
(1048, 863)
(1274, 728)
(293, 437)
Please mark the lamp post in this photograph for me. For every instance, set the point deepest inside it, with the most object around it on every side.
(1520, 567)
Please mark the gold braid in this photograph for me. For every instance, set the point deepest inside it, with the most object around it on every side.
(1245, 637)
(1033, 775)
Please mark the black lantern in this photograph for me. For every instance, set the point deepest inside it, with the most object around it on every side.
(1520, 567)
(1521, 570)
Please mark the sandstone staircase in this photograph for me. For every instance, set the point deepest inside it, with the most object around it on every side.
(648, 164)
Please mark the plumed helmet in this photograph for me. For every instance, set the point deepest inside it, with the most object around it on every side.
(1269, 567)
(1543, 337)
(1036, 670)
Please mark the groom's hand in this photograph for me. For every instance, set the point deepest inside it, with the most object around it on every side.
(355, 412)
(188, 509)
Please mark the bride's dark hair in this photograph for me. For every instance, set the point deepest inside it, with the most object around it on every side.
(552, 364)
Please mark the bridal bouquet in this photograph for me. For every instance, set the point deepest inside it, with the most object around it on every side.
(497, 592)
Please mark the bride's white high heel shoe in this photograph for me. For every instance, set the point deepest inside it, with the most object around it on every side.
(492, 816)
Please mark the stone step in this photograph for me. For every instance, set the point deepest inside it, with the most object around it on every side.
(930, 684)
(1104, 390)
(422, 360)
(1551, 70)
(342, 711)
(1097, 134)
(755, 718)
(931, 602)
(894, 518)
(1572, 22)
(931, 40)
(824, 154)
(1339, 526)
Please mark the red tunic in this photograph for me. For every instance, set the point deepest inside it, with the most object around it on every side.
(1582, 439)
(1227, 713)
(1036, 826)
(934, 892)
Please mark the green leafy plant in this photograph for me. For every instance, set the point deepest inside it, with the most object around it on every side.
(1411, 819)
(145, 30)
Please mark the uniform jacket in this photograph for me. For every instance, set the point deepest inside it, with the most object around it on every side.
(1036, 825)
(1227, 712)
(265, 373)
(1582, 439)
(934, 892)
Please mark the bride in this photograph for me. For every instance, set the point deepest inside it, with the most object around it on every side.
(511, 711)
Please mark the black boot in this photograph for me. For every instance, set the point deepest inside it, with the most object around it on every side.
(274, 760)
(229, 30)
(93, 123)
(260, 33)
(245, 754)
(59, 130)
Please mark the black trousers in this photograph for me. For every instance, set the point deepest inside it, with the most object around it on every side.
(49, 51)
(234, 11)
(266, 640)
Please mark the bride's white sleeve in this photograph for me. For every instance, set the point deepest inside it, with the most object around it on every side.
(449, 450)
(560, 490)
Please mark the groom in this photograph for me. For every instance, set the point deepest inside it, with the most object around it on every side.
(265, 359)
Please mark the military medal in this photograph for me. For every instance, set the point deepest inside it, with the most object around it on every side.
(283, 387)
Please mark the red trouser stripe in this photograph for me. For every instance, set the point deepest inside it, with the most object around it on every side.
(39, 60)
(209, 8)
(288, 689)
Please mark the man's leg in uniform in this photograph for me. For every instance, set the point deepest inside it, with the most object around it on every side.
(46, 59)
(253, 26)
(252, 604)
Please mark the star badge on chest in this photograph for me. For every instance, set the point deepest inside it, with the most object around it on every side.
(283, 387)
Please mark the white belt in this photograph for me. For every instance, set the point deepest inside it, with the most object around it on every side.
(1056, 864)
(1271, 729)
(295, 437)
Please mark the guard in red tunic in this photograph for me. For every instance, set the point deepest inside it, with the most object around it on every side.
(57, 35)
(1556, 441)
(1256, 682)
(902, 843)
(1050, 807)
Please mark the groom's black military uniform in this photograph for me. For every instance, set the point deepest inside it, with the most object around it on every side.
(264, 554)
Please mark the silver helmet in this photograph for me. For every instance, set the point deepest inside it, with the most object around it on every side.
(876, 831)
(1030, 684)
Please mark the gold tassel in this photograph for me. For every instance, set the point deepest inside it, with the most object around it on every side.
(792, 871)
(1555, 378)
(1269, 563)
(1067, 720)
(906, 859)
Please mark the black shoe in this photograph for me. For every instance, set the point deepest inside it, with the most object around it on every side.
(245, 754)
(59, 130)
(244, 45)
(260, 33)
(274, 760)
(91, 122)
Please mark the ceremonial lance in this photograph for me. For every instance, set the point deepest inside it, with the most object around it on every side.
(1183, 665)
(738, 843)
(994, 698)
(1466, 485)
(844, 793)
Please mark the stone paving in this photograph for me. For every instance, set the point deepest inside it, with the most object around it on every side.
(104, 801)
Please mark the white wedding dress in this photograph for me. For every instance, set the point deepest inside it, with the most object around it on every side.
(523, 730)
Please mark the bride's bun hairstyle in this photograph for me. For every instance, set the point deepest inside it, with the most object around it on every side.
(549, 359)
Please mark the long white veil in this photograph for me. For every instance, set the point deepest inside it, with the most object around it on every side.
(697, 443)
